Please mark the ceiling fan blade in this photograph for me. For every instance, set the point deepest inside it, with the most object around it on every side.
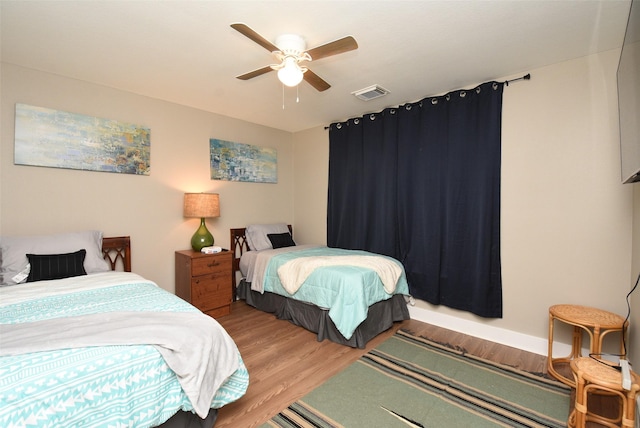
(339, 46)
(316, 81)
(248, 32)
(255, 73)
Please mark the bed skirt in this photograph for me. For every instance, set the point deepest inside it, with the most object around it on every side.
(184, 419)
(381, 315)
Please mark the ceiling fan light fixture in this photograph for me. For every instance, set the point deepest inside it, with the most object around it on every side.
(291, 44)
(291, 74)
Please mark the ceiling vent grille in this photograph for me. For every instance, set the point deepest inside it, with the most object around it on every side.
(371, 92)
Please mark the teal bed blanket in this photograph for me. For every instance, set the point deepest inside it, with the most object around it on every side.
(346, 291)
(95, 386)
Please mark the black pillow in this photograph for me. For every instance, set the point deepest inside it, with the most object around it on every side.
(56, 266)
(281, 240)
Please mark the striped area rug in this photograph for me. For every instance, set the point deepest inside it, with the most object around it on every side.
(410, 381)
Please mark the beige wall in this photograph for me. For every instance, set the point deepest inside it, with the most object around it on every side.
(38, 200)
(566, 217)
(311, 177)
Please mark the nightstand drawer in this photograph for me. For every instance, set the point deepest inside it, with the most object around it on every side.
(207, 265)
(210, 291)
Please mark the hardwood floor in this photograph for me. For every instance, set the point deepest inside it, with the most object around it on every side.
(285, 361)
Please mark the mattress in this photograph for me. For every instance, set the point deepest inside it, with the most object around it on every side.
(117, 385)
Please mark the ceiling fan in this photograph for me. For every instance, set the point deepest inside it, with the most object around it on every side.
(290, 50)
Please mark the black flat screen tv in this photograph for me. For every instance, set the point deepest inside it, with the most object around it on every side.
(629, 97)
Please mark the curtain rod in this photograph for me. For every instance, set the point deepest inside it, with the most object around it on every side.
(506, 82)
(525, 77)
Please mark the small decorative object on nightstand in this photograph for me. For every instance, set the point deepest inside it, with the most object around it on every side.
(204, 280)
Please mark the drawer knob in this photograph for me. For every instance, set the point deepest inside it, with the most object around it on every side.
(212, 264)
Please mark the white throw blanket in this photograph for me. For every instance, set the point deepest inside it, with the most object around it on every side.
(255, 273)
(295, 272)
(193, 345)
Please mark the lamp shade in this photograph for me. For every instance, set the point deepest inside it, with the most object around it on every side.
(201, 205)
(291, 73)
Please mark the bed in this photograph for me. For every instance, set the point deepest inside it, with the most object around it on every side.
(105, 347)
(347, 307)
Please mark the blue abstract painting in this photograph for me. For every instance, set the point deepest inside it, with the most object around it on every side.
(242, 162)
(58, 139)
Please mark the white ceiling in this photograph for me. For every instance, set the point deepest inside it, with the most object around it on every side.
(186, 52)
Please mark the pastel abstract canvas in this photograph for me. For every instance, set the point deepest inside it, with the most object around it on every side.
(58, 139)
(242, 162)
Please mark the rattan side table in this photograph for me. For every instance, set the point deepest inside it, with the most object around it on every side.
(597, 377)
(596, 322)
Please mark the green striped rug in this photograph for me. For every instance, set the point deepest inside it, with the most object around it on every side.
(410, 381)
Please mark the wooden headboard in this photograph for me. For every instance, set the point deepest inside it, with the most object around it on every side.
(239, 245)
(117, 248)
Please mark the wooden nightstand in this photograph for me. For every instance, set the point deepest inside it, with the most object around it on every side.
(204, 280)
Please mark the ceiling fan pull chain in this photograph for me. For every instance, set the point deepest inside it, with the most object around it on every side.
(283, 96)
(297, 94)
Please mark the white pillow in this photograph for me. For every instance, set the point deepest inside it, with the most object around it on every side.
(14, 250)
(257, 238)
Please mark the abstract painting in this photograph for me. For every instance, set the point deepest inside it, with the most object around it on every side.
(242, 162)
(58, 139)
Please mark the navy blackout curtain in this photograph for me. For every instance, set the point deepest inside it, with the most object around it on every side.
(421, 183)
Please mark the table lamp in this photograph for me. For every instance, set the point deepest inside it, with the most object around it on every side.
(201, 205)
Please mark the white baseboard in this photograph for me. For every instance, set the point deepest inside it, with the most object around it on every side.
(537, 345)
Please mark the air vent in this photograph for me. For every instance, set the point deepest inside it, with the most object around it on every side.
(371, 92)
